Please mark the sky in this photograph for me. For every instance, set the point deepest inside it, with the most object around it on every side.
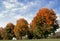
(12, 10)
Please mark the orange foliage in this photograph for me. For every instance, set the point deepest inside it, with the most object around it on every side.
(48, 14)
(21, 27)
(9, 30)
(10, 25)
(43, 20)
(2, 33)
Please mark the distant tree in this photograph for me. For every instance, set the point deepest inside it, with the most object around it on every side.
(9, 31)
(43, 22)
(21, 28)
(1, 33)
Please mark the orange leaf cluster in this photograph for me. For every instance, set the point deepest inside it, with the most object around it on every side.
(48, 14)
(44, 19)
(10, 25)
(2, 33)
(21, 27)
(9, 30)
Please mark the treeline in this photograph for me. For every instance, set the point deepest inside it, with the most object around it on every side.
(42, 25)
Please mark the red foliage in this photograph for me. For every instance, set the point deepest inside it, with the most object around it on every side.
(43, 20)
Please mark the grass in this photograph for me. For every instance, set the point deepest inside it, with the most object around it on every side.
(35, 40)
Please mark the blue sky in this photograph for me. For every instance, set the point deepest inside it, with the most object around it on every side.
(12, 10)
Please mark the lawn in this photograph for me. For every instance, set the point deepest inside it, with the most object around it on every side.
(35, 40)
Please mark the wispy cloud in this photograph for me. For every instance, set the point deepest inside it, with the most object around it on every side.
(58, 16)
(11, 10)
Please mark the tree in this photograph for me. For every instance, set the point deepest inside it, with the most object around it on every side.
(21, 28)
(9, 31)
(1, 33)
(55, 27)
(43, 22)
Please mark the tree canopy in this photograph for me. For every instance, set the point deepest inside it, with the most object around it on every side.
(21, 28)
(43, 22)
(42, 25)
(9, 31)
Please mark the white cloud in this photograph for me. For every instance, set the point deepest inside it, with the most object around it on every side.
(32, 3)
(25, 7)
(17, 6)
(3, 23)
(8, 5)
(18, 17)
(12, 6)
(58, 16)
(1, 15)
(21, 4)
(12, 0)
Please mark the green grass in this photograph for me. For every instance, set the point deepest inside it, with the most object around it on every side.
(35, 40)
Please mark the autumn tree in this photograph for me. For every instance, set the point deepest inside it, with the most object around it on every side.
(55, 27)
(21, 28)
(1, 33)
(43, 22)
(9, 31)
